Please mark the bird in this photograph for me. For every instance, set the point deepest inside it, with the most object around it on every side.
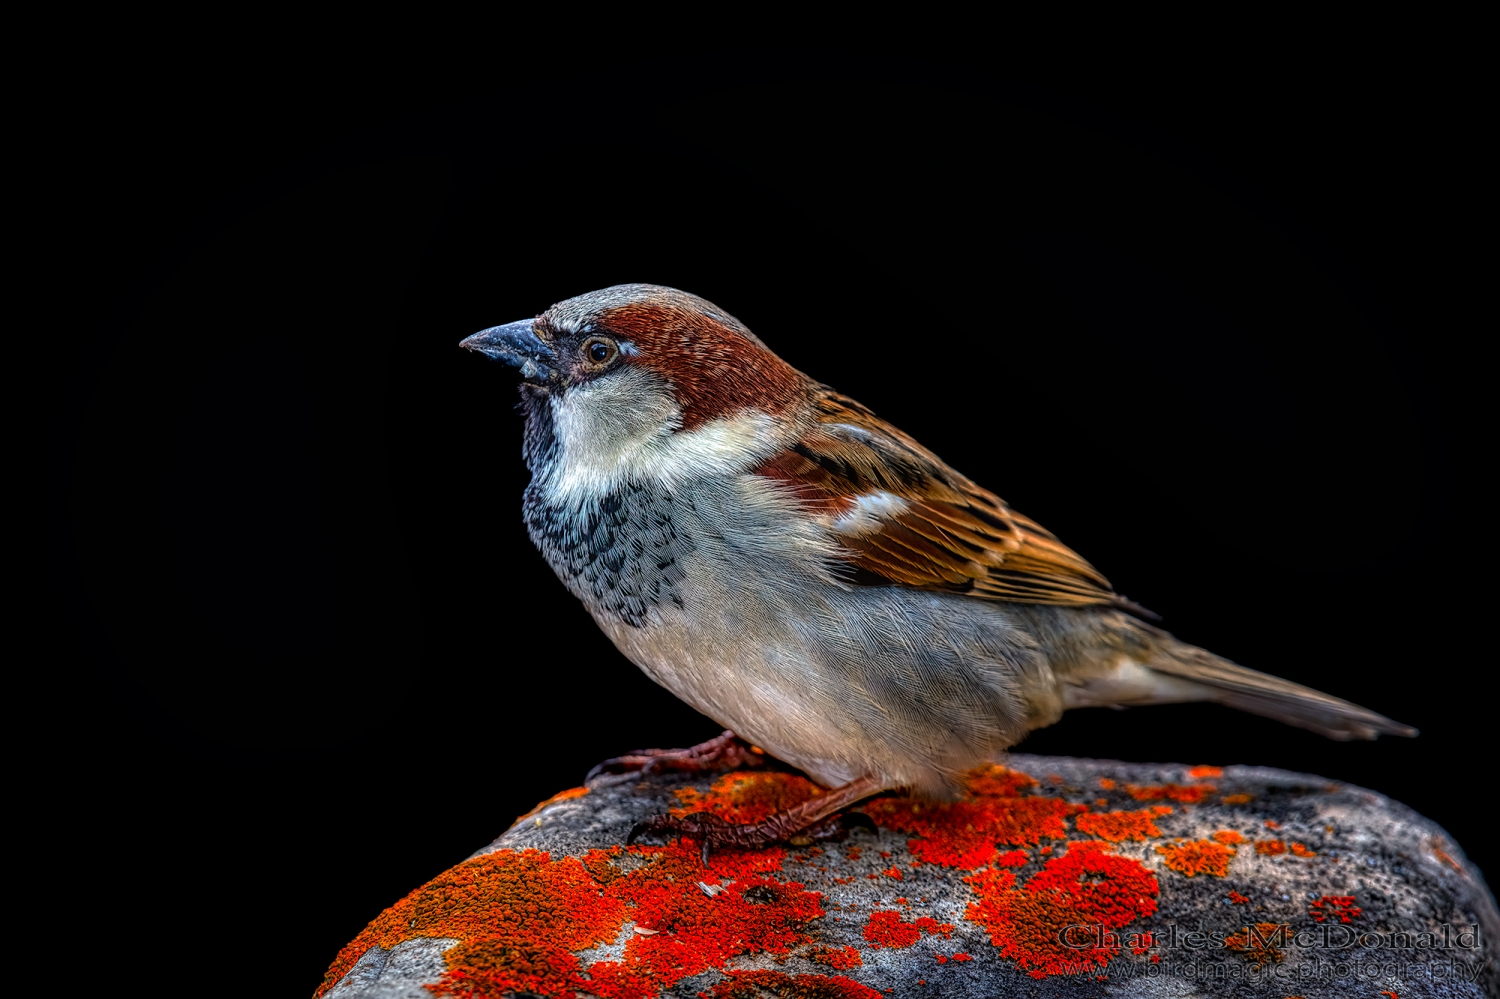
(812, 578)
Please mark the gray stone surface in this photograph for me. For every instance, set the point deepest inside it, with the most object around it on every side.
(398, 973)
(1295, 856)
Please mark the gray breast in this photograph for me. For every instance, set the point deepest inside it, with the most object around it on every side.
(621, 554)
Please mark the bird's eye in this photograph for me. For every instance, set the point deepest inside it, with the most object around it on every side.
(599, 351)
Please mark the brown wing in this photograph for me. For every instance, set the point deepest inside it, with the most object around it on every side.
(941, 532)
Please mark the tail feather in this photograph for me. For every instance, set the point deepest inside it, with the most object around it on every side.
(1181, 672)
(1273, 697)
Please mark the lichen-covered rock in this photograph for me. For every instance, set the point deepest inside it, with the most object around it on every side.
(1053, 877)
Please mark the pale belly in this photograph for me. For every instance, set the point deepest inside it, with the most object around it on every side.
(843, 682)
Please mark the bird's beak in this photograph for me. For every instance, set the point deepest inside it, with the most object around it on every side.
(517, 345)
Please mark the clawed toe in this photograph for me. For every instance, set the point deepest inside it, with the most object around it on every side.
(723, 752)
(617, 765)
(830, 828)
(670, 824)
(699, 825)
(647, 761)
(711, 831)
(814, 819)
(708, 830)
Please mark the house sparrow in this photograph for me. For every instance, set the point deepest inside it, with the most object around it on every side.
(812, 578)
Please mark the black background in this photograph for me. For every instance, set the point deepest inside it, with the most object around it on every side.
(1207, 331)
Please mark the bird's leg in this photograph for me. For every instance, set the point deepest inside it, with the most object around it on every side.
(813, 819)
(723, 752)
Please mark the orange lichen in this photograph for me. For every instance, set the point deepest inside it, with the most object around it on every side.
(746, 797)
(965, 834)
(526, 906)
(1272, 824)
(1270, 847)
(1086, 887)
(1238, 799)
(1197, 773)
(1013, 858)
(1260, 943)
(1302, 851)
(572, 792)
(1237, 898)
(998, 782)
(1187, 794)
(885, 929)
(1197, 857)
(751, 914)
(1228, 837)
(1341, 906)
(756, 984)
(520, 916)
(892, 872)
(1117, 826)
(841, 960)
(1106, 783)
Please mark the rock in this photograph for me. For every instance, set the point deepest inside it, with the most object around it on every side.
(1053, 877)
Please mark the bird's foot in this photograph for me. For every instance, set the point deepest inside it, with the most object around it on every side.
(721, 753)
(799, 825)
(712, 832)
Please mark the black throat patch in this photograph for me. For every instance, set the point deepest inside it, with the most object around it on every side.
(619, 553)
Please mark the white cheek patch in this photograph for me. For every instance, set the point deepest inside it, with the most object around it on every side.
(627, 428)
(869, 511)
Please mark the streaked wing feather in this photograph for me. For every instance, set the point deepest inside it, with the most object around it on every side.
(952, 534)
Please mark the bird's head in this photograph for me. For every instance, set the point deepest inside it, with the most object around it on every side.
(642, 379)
